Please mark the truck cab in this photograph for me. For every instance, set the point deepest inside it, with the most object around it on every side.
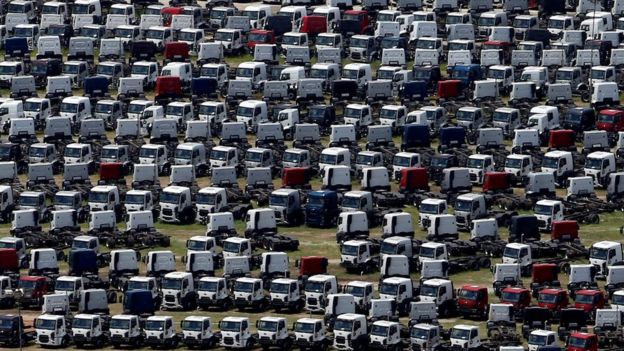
(548, 211)
(478, 165)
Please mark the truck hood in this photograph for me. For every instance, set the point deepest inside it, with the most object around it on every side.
(605, 126)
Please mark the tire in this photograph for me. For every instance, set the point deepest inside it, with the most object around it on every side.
(65, 342)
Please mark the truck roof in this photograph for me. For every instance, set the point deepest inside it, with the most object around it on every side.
(541, 332)
(50, 317)
(358, 65)
(248, 280)
(197, 318)
(103, 188)
(465, 326)
(549, 202)
(211, 279)
(87, 316)
(321, 277)
(283, 281)
(425, 326)
(480, 156)
(551, 291)
(284, 191)
(396, 239)
(159, 318)
(436, 281)
(237, 239)
(137, 192)
(517, 245)
(333, 150)
(272, 319)
(600, 154)
(469, 196)
(518, 156)
(235, 319)
(175, 189)
(350, 316)
(69, 278)
(396, 280)
(178, 275)
(189, 146)
(433, 201)
(385, 323)
(606, 244)
(359, 283)
(357, 193)
(557, 153)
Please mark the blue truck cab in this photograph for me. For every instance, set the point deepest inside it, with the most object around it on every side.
(452, 137)
(467, 74)
(138, 302)
(415, 136)
(322, 208)
(82, 261)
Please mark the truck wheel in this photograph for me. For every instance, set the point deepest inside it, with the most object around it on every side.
(65, 342)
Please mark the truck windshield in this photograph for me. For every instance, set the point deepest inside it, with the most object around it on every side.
(97, 196)
(169, 198)
(584, 298)
(137, 285)
(544, 210)
(80, 244)
(349, 250)
(364, 160)
(109, 153)
(385, 74)
(315, 201)
(388, 248)
(192, 325)
(593, 163)
(73, 151)
(207, 286)
(401, 161)
(267, 325)
(68, 107)
(207, 109)
(229, 326)
(474, 163)
(428, 252)
(258, 37)
(244, 72)
(223, 36)
(556, 23)
(196, 245)
(104, 108)
(501, 116)
(325, 40)
(577, 342)
(49, 9)
(510, 296)
(327, 159)
(231, 247)
(468, 294)
(22, 284)
(106, 70)
(245, 111)
(350, 74)
(38, 68)
(252, 14)
(186, 36)
(253, 156)
(617, 299)
(80, 9)
(462, 334)
(183, 154)
(428, 208)
(217, 14)
(278, 200)
(454, 46)
(63, 200)
(388, 113)
(428, 290)
(119, 323)
(485, 21)
(292, 157)
(599, 253)
(547, 298)
(26, 200)
(426, 44)
(343, 325)
(290, 40)
(140, 69)
(147, 152)
(23, 32)
(218, 155)
(32, 106)
(318, 73)
(64, 285)
(352, 113)
(463, 205)
(598, 74)
(511, 252)
(388, 289)
(521, 23)
(155, 325)
(154, 34)
(304, 328)
(170, 283)
(550, 162)
(496, 74)
(68, 69)
(81, 323)
(379, 330)
(206, 199)
(605, 118)
(351, 202)
(243, 286)
(49, 324)
(418, 333)
(280, 288)
(513, 163)
(175, 110)
(467, 116)
(123, 33)
(357, 291)
(316, 287)
(564, 75)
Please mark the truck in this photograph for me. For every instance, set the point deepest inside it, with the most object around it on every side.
(351, 332)
(52, 330)
(89, 329)
(316, 290)
(160, 331)
(178, 291)
(197, 332)
(236, 333)
(126, 330)
(272, 332)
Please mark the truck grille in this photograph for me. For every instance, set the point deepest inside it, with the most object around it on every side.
(461, 220)
(203, 212)
(44, 338)
(311, 301)
(356, 55)
(340, 340)
(169, 298)
(473, 177)
(541, 223)
(167, 211)
(228, 341)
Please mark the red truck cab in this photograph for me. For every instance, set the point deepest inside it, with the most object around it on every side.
(360, 16)
(578, 341)
(260, 36)
(312, 265)
(504, 46)
(111, 173)
(449, 89)
(414, 179)
(564, 231)
(177, 51)
(313, 25)
(33, 288)
(519, 298)
(544, 275)
(168, 12)
(473, 301)
(611, 120)
(497, 182)
(589, 300)
(561, 139)
(9, 262)
(297, 178)
(553, 299)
